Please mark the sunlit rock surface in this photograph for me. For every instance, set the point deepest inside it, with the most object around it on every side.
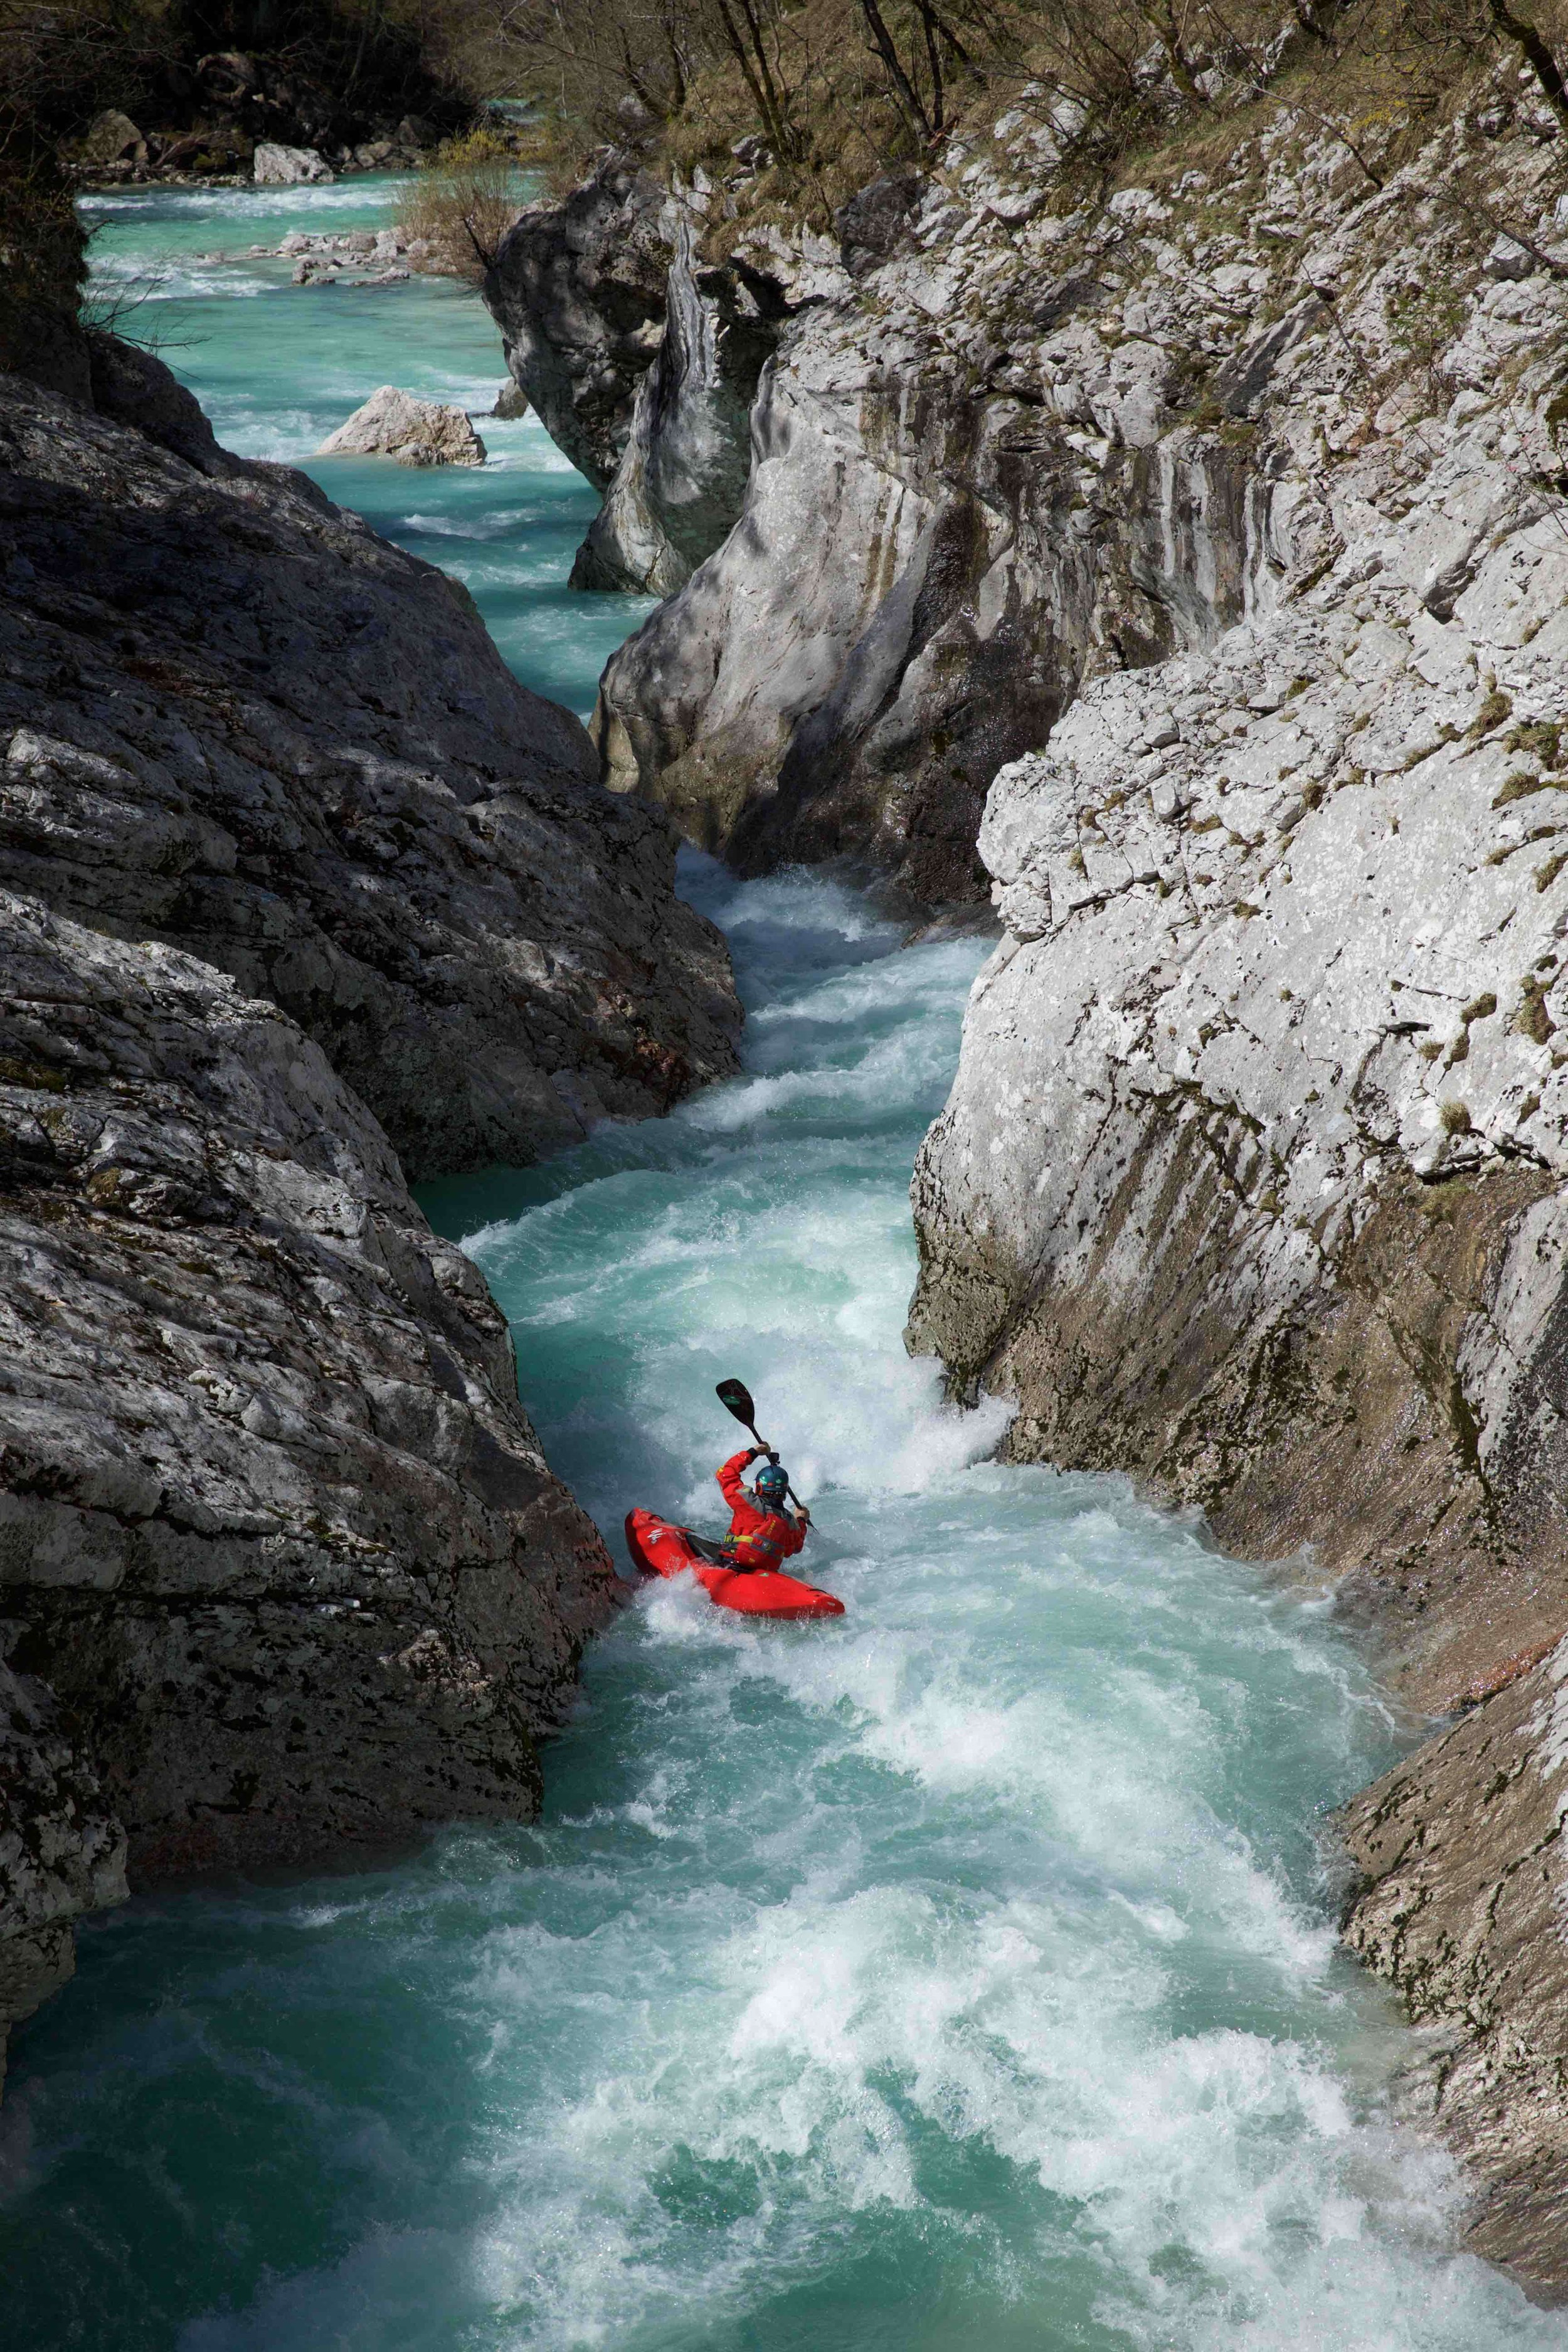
(1252, 1178)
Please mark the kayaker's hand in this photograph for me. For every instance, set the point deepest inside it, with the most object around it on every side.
(755, 1453)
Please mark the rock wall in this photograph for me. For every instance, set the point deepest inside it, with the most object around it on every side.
(641, 352)
(974, 485)
(236, 720)
(1458, 1857)
(1254, 1177)
(285, 1576)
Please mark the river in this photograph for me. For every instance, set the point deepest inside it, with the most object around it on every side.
(958, 1974)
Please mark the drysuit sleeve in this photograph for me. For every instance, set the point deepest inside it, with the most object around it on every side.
(728, 1478)
(795, 1539)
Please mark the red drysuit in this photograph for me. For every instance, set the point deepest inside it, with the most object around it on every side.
(760, 1539)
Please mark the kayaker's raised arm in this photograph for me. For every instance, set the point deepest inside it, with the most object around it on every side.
(761, 1534)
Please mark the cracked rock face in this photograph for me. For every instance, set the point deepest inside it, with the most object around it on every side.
(234, 719)
(1254, 1177)
(275, 1530)
(641, 361)
(1459, 1897)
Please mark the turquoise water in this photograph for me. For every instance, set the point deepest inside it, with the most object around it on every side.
(958, 1976)
(234, 329)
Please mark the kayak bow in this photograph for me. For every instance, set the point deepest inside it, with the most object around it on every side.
(659, 1548)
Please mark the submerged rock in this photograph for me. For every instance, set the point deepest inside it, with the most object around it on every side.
(410, 431)
(289, 167)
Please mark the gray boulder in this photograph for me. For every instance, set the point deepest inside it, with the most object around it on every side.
(289, 167)
(112, 137)
(412, 432)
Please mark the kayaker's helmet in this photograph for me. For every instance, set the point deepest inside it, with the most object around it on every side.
(772, 1484)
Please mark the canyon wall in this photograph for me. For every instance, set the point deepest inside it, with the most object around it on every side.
(297, 877)
(641, 362)
(1254, 1177)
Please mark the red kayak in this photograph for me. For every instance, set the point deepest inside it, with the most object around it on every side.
(661, 1548)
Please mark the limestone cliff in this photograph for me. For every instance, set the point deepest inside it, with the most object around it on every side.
(285, 1573)
(1254, 1177)
(641, 349)
(974, 485)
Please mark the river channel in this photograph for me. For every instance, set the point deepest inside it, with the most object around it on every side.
(958, 1976)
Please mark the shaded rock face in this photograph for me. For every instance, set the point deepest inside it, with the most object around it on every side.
(62, 1850)
(577, 291)
(285, 1574)
(1459, 1900)
(641, 361)
(1254, 1177)
(233, 718)
(681, 475)
(274, 1529)
(393, 423)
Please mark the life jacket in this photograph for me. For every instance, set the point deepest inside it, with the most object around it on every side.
(758, 1537)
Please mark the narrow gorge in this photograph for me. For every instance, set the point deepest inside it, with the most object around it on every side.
(1094, 617)
(1189, 564)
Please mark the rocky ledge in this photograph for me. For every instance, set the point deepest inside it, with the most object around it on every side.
(1254, 1177)
(239, 721)
(296, 872)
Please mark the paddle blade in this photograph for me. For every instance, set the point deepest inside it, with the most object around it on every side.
(736, 1398)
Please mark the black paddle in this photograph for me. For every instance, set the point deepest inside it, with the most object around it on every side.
(736, 1398)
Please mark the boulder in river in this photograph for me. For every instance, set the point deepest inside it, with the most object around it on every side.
(512, 401)
(412, 432)
(112, 137)
(289, 167)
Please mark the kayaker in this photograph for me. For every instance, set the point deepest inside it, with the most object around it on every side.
(761, 1533)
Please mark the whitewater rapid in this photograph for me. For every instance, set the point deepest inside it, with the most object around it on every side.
(959, 1974)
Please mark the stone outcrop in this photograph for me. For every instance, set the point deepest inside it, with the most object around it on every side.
(276, 1532)
(681, 477)
(1458, 1857)
(233, 718)
(972, 488)
(410, 431)
(577, 291)
(285, 1574)
(274, 166)
(642, 359)
(1254, 1177)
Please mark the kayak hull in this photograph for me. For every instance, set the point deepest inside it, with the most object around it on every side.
(659, 1548)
